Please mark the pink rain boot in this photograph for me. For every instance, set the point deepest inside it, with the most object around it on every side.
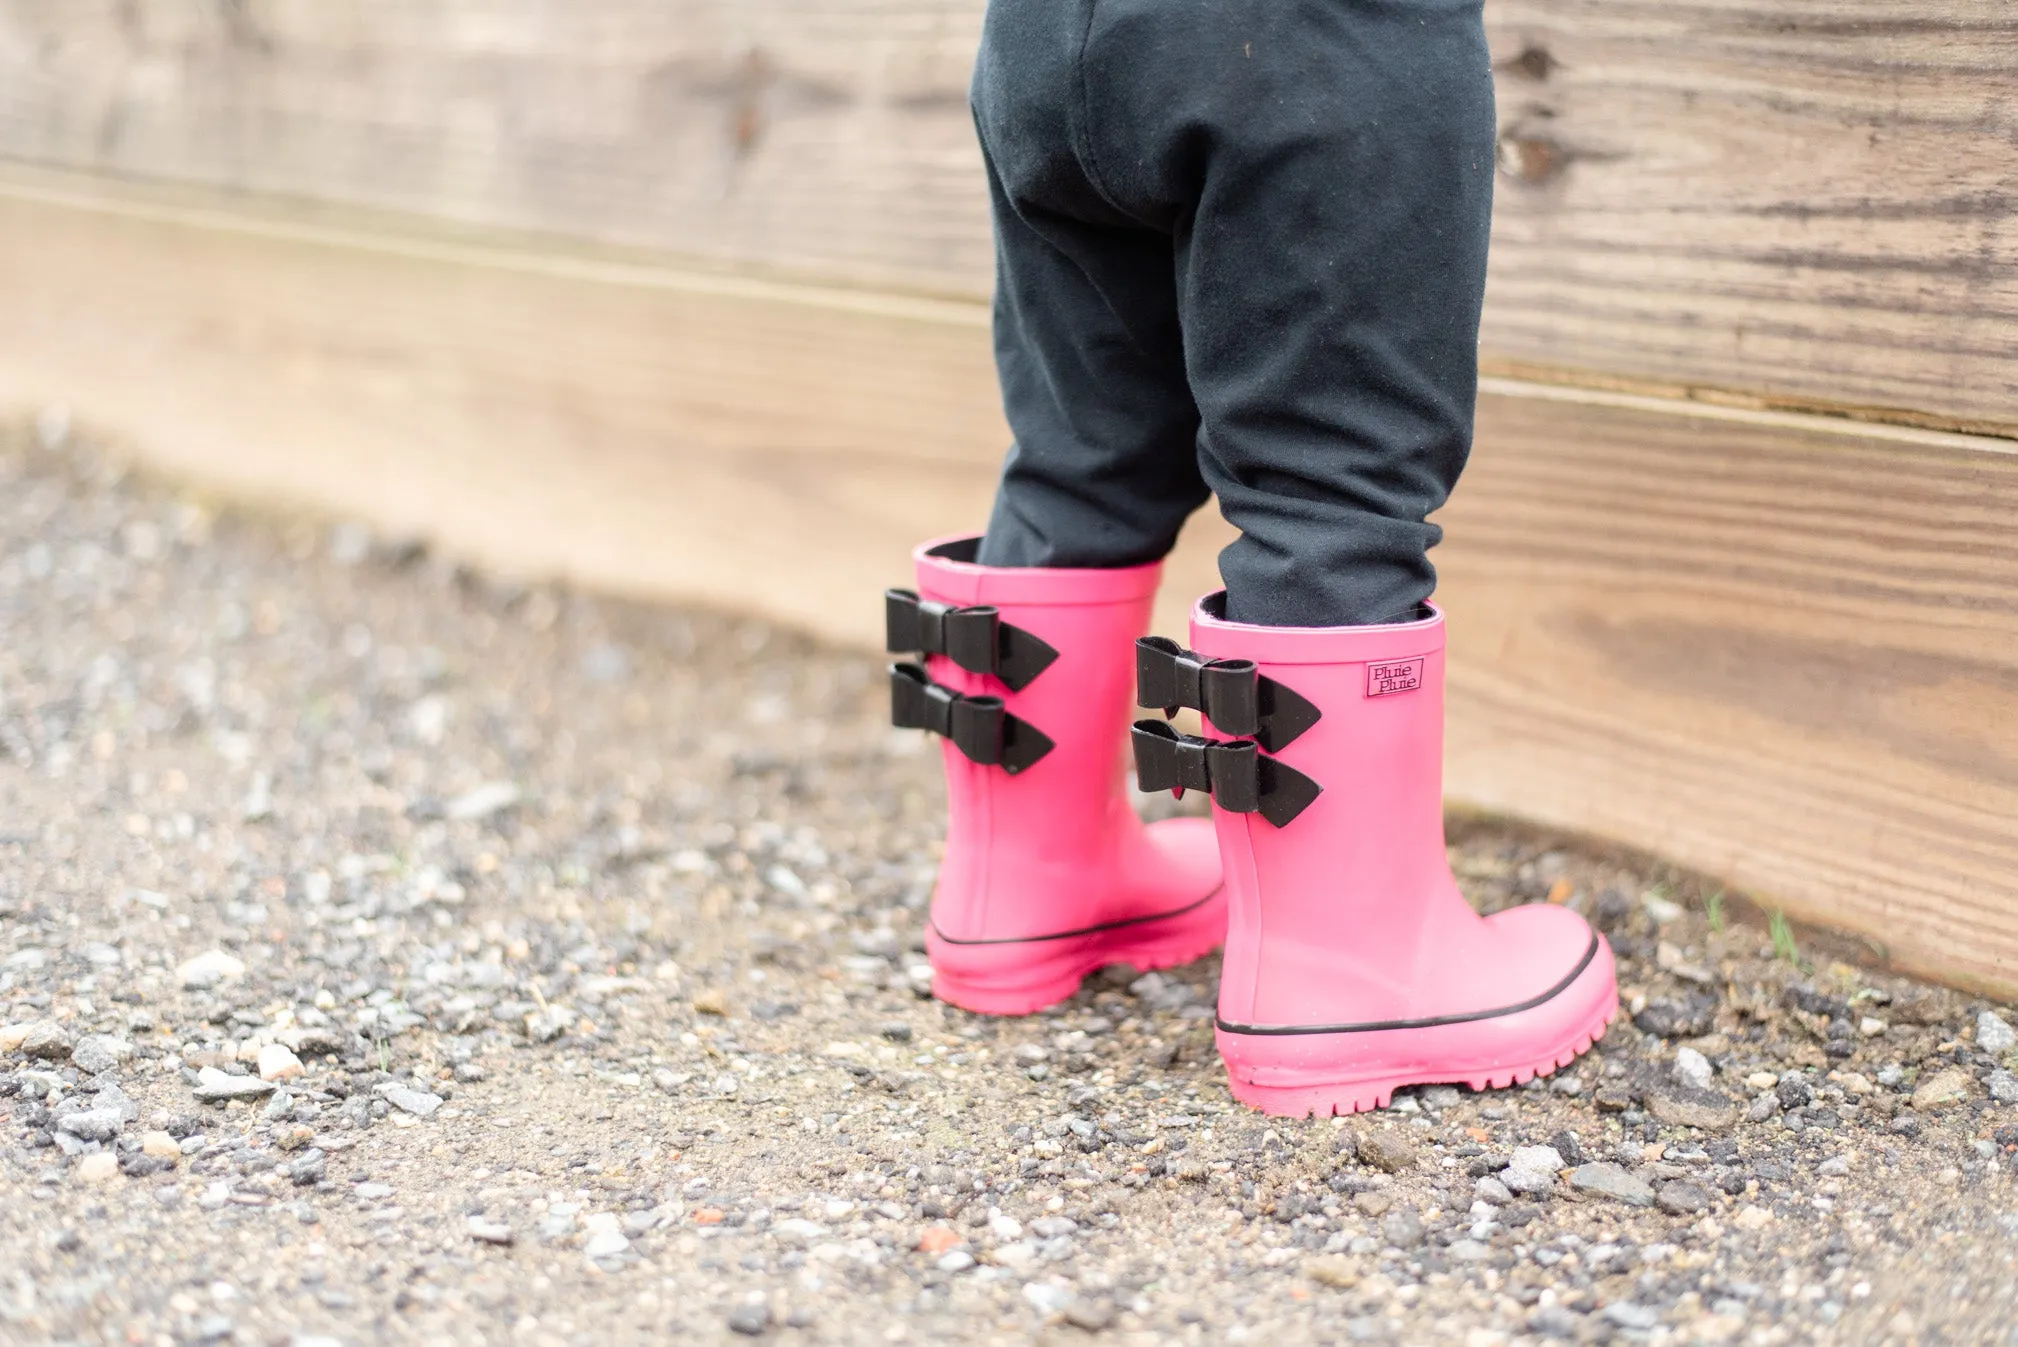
(1048, 873)
(1354, 966)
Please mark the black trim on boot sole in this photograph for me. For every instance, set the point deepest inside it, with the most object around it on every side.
(1085, 930)
(1433, 1022)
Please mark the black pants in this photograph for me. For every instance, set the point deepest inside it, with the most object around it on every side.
(1241, 251)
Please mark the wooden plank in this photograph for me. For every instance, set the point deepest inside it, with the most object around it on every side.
(1810, 202)
(828, 136)
(1802, 204)
(1771, 648)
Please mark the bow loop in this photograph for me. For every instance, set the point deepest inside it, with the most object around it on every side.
(980, 727)
(1241, 778)
(975, 638)
(1233, 693)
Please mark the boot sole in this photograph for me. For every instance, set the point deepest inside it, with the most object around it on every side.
(1298, 1075)
(1021, 976)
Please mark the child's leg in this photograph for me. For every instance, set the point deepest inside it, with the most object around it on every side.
(1104, 468)
(1323, 169)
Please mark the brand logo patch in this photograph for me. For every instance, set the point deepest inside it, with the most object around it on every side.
(1398, 676)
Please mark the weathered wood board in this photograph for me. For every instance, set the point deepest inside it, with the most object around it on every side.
(1805, 205)
(1775, 649)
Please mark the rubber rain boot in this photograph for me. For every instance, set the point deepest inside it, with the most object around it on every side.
(1048, 872)
(1354, 966)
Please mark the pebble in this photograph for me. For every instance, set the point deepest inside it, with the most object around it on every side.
(2003, 1086)
(1686, 1106)
(1682, 1198)
(1941, 1090)
(1333, 1270)
(97, 1124)
(1627, 1314)
(45, 1041)
(1490, 1189)
(214, 1086)
(95, 1053)
(490, 1232)
(417, 1102)
(1091, 1316)
(208, 970)
(1386, 1149)
(1605, 1179)
(1533, 1170)
(1692, 1068)
(751, 1319)
(161, 1144)
(277, 1063)
(1994, 1034)
(1439, 1097)
(1761, 1080)
(1403, 1229)
(98, 1167)
(490, 798)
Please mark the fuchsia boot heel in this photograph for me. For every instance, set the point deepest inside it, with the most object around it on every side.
(1048, 872)
(1353, 965)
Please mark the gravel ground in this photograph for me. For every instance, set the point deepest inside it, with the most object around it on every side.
(391, 954)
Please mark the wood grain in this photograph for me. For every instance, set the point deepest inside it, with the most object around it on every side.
(1780, 652)
(1813, 202)
(1804, 204)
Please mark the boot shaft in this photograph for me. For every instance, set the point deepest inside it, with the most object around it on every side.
(1074, 797)
(1343, 889)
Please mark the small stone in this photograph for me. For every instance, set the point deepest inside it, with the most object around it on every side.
(417, 1102)
(1761, 1080)
(1613, 1099)
(214, 1086)
(490, 1232)
(2003, 1086)
(95, 1124)
(209, 970)
(277, 1063)
(43, 1040)
(1663, 911)
(711, 1001)
(959, 1260)
(1626, 1314)
(1752, 1218)
(606, 1244)
(751, 1319)
(98, 1167)
(1681, 1198)
(1374, 1203)
(1692, 1068)
(160, 1143)
(1335, 1270)
(490, 798)
(1686, 1106)
(938, 1239)
(1870, 1026)
(1994, 1034)
(1386, 1150)
(1533, 1170)
(99, 1052)
(1490, 1189)
(309, 1168)
(896, 1031)
(1942, 1089)
(1402, 1228)
(1091, 1316)
(1604, 1179)
(1439, 1097)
